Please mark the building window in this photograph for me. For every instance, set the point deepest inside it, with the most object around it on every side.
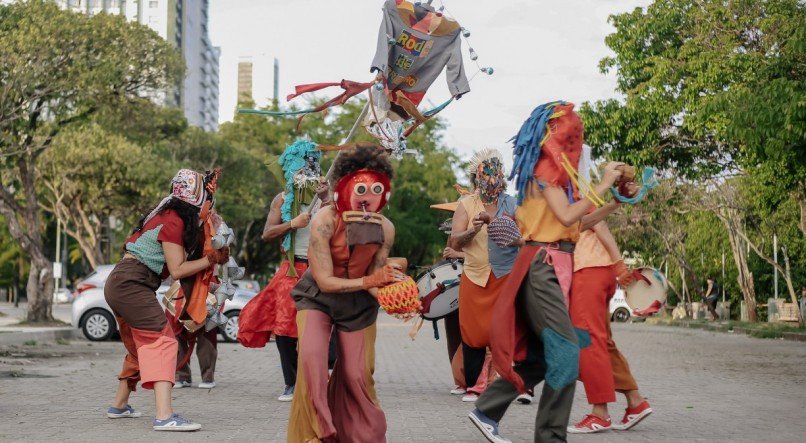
(153, 20)
(153, 4)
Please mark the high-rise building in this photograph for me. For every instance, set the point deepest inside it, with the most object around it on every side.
(183, 23)
(245, 80)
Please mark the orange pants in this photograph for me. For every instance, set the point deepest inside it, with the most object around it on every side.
(602, 368)
(151, 355)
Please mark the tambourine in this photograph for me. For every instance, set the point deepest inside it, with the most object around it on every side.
(400, 298)
(503, 231)
(647, 292)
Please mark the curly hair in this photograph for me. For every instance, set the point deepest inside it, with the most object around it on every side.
(363, 156)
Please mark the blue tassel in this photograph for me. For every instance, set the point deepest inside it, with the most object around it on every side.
(291, 161)
(648, 181)
(527, 146)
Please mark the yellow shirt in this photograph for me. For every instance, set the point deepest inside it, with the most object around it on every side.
(538, 223)
(477, 260)
(590, 252)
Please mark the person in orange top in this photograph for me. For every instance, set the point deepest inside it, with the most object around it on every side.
(603, 370)
(532, 338)
(486, 264)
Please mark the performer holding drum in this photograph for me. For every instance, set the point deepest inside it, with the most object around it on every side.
(603, 370)
(486, 264)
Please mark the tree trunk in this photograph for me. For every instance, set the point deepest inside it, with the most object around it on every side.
(40, 290)
(802, 203)
(791, 287)
(24, 226)
(745, 277)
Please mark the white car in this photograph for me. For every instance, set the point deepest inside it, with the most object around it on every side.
(620, 311)
(94, 317)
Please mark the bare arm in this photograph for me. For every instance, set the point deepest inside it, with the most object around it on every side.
(275, 227)
(570, 213)
(383, 253)
(589, 220)
(460, 236)
(178, 266)
(607, 239)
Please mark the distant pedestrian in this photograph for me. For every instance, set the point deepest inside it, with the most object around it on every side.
(711, 296)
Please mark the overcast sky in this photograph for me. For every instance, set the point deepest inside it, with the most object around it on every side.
(541, 50)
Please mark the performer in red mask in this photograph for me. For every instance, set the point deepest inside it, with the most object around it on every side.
(349, 247)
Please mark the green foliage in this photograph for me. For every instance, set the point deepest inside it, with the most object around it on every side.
(709, 86)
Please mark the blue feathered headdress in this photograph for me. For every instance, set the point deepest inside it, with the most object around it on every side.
(291, 161)
(527, 145)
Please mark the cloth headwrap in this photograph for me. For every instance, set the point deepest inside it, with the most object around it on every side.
(188, 186)
(292, 160)
(528, 146)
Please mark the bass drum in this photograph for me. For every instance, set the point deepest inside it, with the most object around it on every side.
(439, 289)
(640, 295)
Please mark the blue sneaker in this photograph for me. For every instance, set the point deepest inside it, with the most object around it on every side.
(487, 426)
(288, 394)
(175, 423)
(127, 412)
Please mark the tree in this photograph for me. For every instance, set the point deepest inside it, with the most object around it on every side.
(58, 68)
(711, 89)
(89, 176)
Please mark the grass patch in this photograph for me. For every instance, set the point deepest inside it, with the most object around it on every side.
(30, 343)
(62, 341)
(758, 330)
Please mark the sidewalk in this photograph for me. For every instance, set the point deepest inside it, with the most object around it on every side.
(13, 333)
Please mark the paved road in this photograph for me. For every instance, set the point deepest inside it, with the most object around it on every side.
(703, 386)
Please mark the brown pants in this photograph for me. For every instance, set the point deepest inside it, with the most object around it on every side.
(144, 330)
(206, 352)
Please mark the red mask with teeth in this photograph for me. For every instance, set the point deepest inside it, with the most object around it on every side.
(364, 190)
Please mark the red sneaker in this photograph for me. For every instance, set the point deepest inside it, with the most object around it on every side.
(589, 425)
(633, 415)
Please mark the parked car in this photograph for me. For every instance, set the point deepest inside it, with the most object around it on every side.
(249, 285)
(95, 279)
(63, 295)
(620, 311)
(94, 317)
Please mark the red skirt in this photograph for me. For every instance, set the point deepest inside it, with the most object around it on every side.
(272, 311)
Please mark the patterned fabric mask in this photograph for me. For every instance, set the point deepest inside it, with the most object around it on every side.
(490, 181)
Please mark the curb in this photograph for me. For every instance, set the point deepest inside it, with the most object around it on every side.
(790, 336)
(51, 335)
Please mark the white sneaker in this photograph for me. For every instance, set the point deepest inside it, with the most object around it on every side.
(458, 391)
(525, 399)
(287, 395)
(207, 385)
(470, 397)
(182, 384)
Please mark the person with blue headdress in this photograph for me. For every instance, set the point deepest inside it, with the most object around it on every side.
(532, 338)
(273, 311)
